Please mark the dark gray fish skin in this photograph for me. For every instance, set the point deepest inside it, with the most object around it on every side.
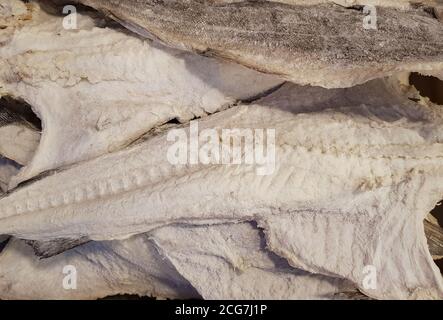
(282, 39)
(3, 242)
(16, 111)
(352, 295)
(434, 234)
(47, 249)
(8, 117)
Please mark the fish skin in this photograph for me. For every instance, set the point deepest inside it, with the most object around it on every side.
(7, 117)
(434, 234)
(17, 112)
(3, 242)
(303, 44)
(47, 249)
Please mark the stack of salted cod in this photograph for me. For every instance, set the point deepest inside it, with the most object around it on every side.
(358, 152)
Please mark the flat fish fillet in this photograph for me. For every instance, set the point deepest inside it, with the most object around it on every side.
(161, 264)
(303, 44)
(362, 191)
(234, 259)
(61, 73)
(103, 269)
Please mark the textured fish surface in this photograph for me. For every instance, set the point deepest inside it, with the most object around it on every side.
(104, 269)
(348, 182)
(435, 239)
(360, 193)
(303, 44)
(46, 249)
(169, 262)
(62, 73)
(237, 254)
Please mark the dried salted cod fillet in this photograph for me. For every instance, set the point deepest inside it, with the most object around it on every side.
(401, 274)
(403, 4)
(50, 248)
(295, 116)
(239, 268)
(133, 266)
(374, 241)
(365, 159)
(378, 144)
(97, 89)
(324, 45)
(231, 262)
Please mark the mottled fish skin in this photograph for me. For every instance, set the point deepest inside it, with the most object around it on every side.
(434, 235)
(3, 242)
(303, 44)
(47, 249)
(14, 111)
